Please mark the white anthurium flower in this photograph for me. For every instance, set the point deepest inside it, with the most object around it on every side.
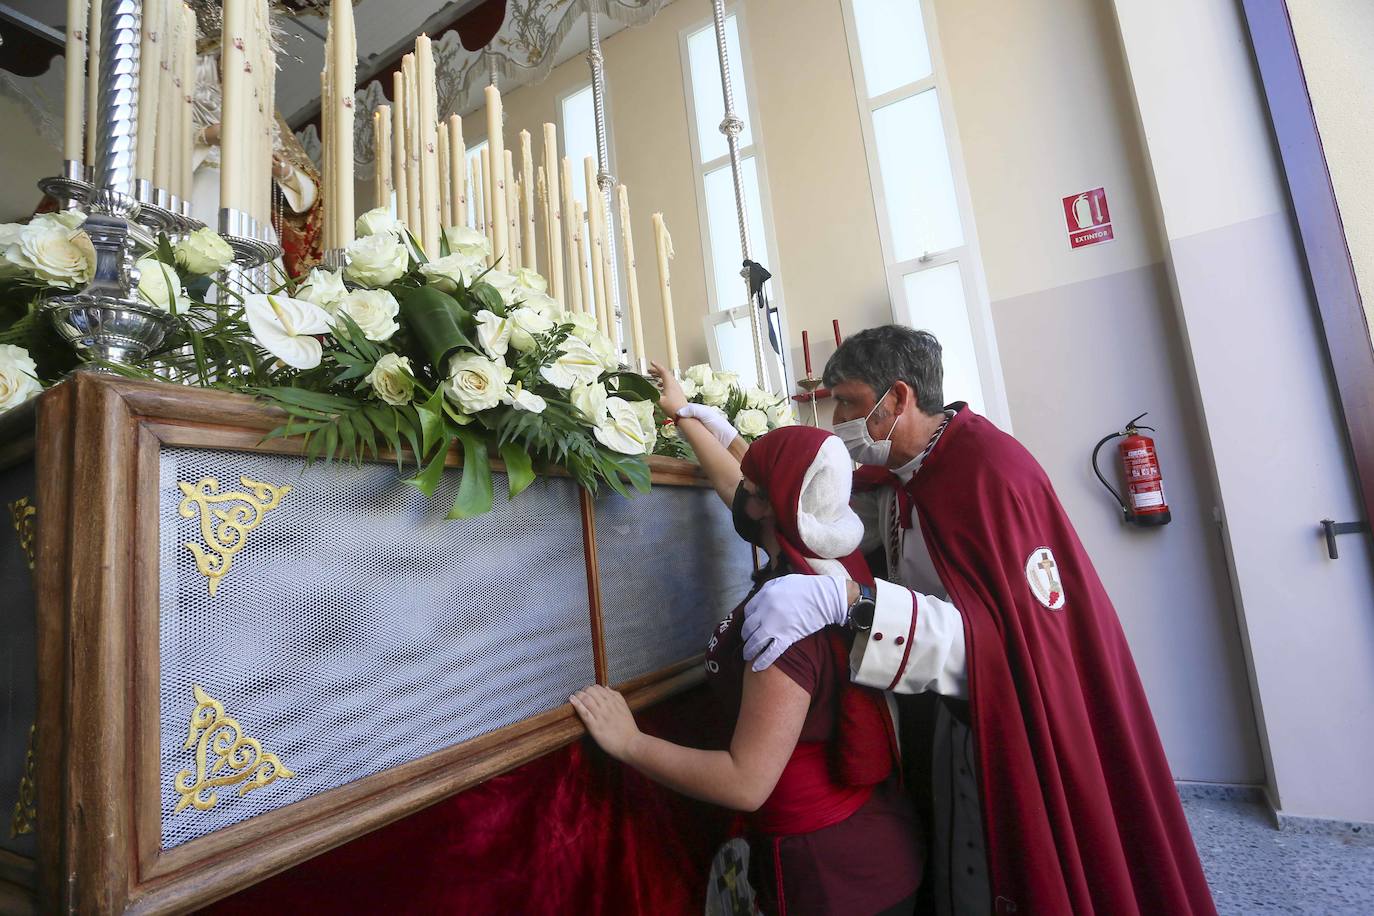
(203, 252)
(751, 422)
(521, 399)
(576, 362)
(378, 220)
(468, 242)
(376, 260)
(159, 285)
(324, 288)
(590, 399)
(374, 311)
(493, 333)
(602, 346)
(700, 374)
(644, 410)
(18, 377)
(729, 379)
(392, 379)
(451, 270)
(620, 429)
(476, 383)
(714, 393)
(528, 278)
(53, 254)
(524, 324)
(285, 327)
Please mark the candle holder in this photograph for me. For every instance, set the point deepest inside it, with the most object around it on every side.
(334, 258)
(157, 208)
(72, 188)
(814, 392)
(243, 233)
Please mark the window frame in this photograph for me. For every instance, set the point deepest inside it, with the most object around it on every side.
(968, 256)
(778, 370)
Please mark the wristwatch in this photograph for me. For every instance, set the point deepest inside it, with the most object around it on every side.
(862, 610)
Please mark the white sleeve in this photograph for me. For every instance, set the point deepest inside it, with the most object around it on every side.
(916, 644)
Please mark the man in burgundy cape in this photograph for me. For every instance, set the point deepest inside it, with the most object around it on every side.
(1079, 812)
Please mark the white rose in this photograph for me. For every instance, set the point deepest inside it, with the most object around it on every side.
(493, 333)
(780, 413)
(644, 410)
(620, 429)
(203, 252)
(528, 278)
(577, 362)
(524, 324)
(700, 373)
(451, 270)
(751, 422)
(689, 388)
(727, 378)
(468, 242)
(714, 393)
(669, 430)
(376, 260)
(543, 304)
(520, 399)
(53, 254)
(590, 399)
(476, 383)
(18, 377)
(324, 288)
(374, 311)
(584, 324)
(392, 379)
(159, 285)
(67, 219)
(601, 345)
(376, 221)
(286, 327)
(758, 398)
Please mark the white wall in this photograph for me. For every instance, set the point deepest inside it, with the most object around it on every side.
(1261, 376)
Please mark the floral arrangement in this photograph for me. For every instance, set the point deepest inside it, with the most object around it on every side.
(752, 411)
(395, 350)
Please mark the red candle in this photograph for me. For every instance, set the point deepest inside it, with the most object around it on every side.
(835, 323)
(806, 352)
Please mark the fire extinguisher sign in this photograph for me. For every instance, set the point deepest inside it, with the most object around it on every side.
(1088, 219)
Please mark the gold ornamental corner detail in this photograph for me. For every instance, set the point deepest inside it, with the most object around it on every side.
(225, 530)
(224, 757)
(24, 514)
(26, 808)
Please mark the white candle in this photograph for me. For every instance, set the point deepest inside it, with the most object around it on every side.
(554, 222)
(594, 243)
(345, 76)
(488, 192)
(150, 95)
(398, 145)
(528, 250)
(497, 144)
(631, 275)
(75, 114)
(458, 172)
(572, 228)
(474, 214)
(663, 244)
(233, 168)
(328, 231)
(92, 79)
(188, 102)
(381, 147)
(579, 253)
(512, 214)
(445, 184)
(431, 202)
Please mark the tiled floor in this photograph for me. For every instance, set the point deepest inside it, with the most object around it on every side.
(1254, 868)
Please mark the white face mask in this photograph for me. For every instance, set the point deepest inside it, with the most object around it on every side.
(862, 448)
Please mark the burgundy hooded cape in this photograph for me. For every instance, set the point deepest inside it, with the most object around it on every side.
(1079, 807)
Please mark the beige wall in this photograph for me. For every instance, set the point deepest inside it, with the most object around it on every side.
(27, 157)
(1336, 43)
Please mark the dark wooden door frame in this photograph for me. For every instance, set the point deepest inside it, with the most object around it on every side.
(1318, 216)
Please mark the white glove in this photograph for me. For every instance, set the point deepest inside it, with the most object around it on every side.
(790, 608)
(714, 419)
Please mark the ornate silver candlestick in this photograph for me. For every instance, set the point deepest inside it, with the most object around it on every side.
(245, 236)
(334, 258)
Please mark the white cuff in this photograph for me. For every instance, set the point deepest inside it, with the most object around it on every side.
(916, 644)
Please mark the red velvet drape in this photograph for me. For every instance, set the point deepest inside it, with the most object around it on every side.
(571, 832)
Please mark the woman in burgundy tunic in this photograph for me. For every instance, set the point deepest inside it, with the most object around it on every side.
(813, 757)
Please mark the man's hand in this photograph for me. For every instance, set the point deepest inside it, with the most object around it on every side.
(788, 609)
(608, 719)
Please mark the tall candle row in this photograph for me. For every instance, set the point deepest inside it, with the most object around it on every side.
(336, 120)
(248, 116)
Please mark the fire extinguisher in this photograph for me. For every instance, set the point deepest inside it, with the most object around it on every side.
(1143, 502)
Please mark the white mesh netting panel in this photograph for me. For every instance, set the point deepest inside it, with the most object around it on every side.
(671, 568)
(357, 629)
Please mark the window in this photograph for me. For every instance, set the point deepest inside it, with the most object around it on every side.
(729, 337)
(934, 274)
(578, 113)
